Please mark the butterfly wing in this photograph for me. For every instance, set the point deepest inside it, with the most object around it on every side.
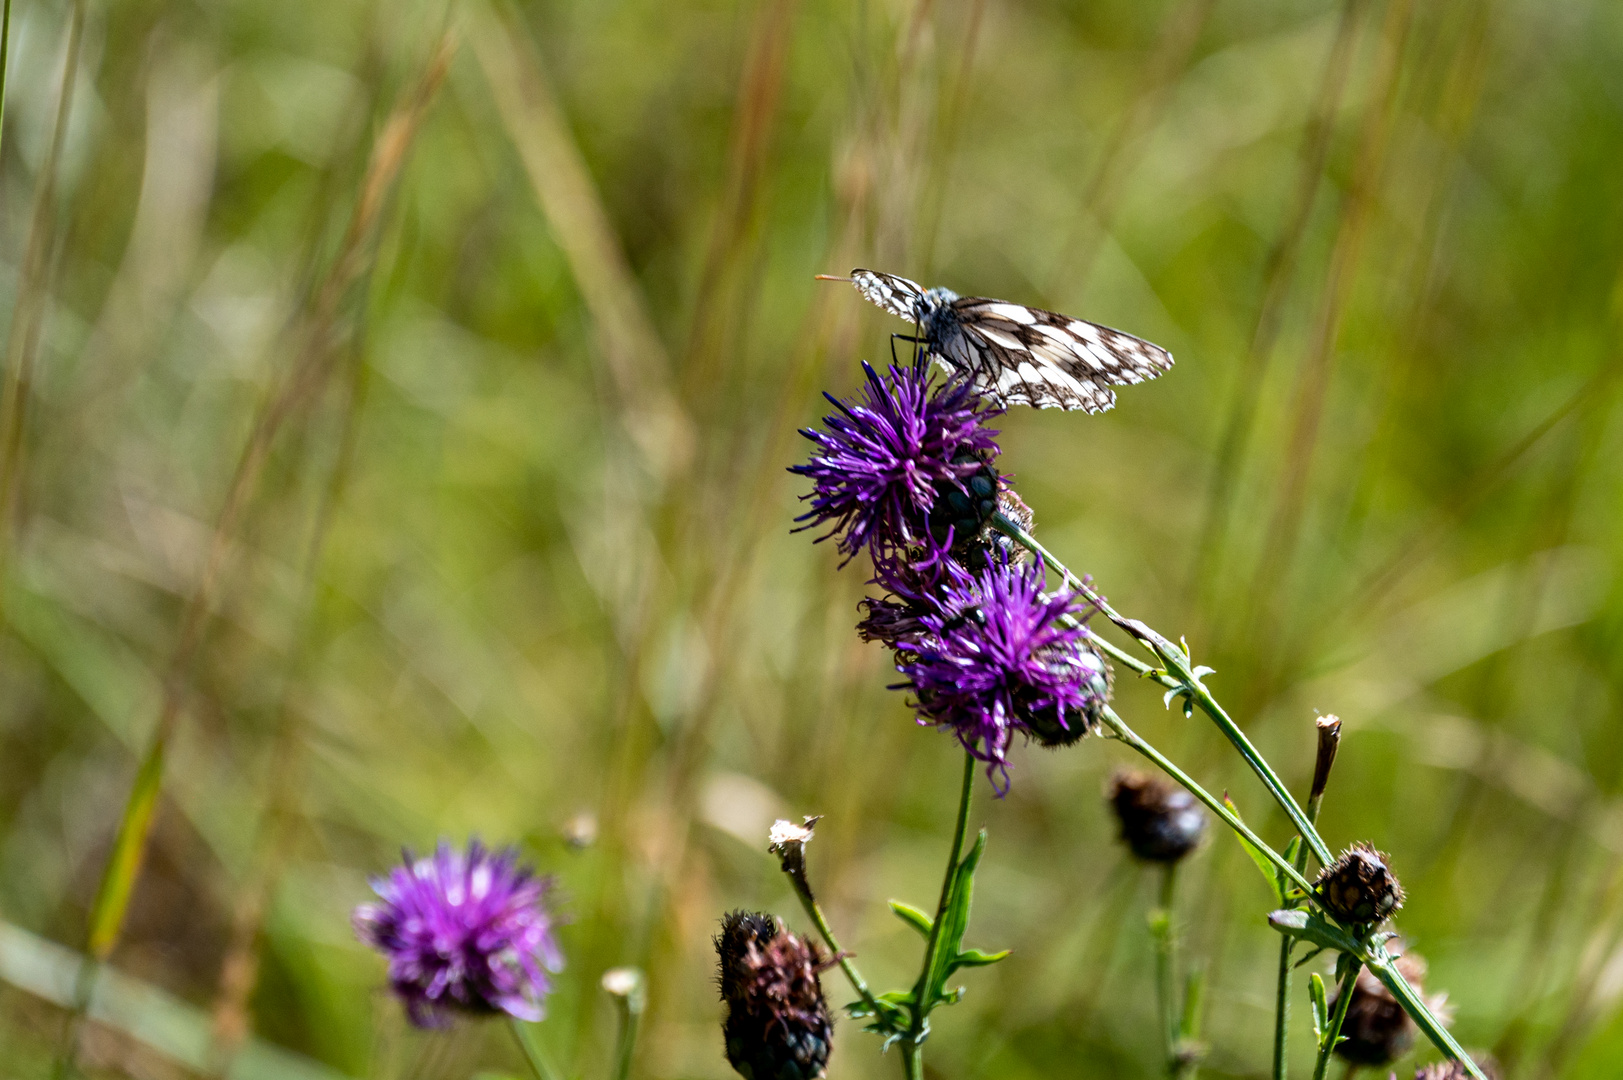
(1028, 356)
(896, 295)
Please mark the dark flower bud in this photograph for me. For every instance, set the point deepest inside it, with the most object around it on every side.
(1159, 821)
(778, 1025)
(1377, 1031)
(1084, 664)
(1359, 888)
(963, 512)
(1455, 1070)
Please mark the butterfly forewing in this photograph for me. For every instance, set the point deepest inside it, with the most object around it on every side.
(896, 295)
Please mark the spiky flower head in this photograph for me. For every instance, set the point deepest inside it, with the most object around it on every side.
(464, 933)
(1359, 888)
(882, 462)
(1160, 822)
(778, 1025)
(997, 655)
(1377, 1031)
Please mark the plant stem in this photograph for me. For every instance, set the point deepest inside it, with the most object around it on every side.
(912, 1043)
(5, 56)
(1166, 960)
(1133, 739)
(815, 912)
(1177, 676)
(1343, 999)
(1282, 1008)
(532, 1053)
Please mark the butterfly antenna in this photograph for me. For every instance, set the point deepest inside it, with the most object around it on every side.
(830, 277)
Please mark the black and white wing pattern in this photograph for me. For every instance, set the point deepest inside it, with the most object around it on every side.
(1027, 356)
(1018, 355)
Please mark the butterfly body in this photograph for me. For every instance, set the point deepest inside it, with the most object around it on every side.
(1018, 355)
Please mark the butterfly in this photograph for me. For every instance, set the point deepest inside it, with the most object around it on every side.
(1013, 354)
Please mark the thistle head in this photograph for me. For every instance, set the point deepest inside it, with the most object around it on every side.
(882, 462)
(997, 655)
(778, 1026)
(1160, 822)
(464, 932)
(1359, 888)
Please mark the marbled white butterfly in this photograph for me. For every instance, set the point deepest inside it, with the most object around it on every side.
(1017, 355)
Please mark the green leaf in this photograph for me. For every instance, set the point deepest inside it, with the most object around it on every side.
(913, 917)
(1312, 927)
(1321, 1007)
(977, 958)
(1274, 875)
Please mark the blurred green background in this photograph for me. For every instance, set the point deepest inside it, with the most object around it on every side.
(411, 451)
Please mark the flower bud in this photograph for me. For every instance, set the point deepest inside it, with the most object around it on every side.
(1083, 663)
(1159, 821)
(778, 1025)
(1359, 888)
(1377, 1031)
(964, 512)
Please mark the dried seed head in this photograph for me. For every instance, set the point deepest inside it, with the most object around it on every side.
(1159, 822)
(778, 1025)
(1455, 1070)
(1359, 888)
(1377, 1031)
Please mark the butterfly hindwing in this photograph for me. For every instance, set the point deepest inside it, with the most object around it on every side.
(1028, 356)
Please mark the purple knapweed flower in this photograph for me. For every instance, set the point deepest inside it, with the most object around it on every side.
(468, 933)
(882, 461)
(999, 656)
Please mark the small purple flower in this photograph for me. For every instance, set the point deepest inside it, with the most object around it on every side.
(998, 656)
(467, 933)
(882, 461)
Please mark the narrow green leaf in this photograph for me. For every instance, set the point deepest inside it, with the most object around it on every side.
(978, 958)
(1194, 989)
(913, 917)
(1312, 927)
(1321, 1007)
(1265, 864)
(129, 849)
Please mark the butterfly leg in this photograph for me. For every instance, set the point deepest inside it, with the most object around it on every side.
(904, 337)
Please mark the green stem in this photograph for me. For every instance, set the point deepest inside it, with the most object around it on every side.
(532, 1052)
(1166, 961)
(918, 1028)
(1178, 676)
(5, 57)
(1282, 1008)
(629, 1019)
(815, 911)
(1386, 971)
(1132, 738)
(1282, 999)
(1343, 999)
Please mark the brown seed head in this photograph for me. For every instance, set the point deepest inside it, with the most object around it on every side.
(778, 1026)
(1159, 821)
(1359, 888)
(1377, 1031)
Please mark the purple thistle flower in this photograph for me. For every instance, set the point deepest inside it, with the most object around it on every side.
(883, 461)
(997, 656)
(467, 933)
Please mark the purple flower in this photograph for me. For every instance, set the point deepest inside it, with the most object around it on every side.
(466, 933)
(998, 656)
(883, 461)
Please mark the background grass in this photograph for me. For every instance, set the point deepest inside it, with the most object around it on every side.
(453, 502)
